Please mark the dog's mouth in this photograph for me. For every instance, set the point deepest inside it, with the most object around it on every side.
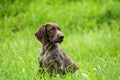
(59, 40)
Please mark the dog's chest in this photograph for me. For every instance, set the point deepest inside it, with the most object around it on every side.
(55, 53)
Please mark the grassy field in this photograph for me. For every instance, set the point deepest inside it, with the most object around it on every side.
(92, 37)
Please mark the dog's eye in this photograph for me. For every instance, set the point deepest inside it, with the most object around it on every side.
(52, 29)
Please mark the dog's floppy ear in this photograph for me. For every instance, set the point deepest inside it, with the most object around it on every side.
(41, 35)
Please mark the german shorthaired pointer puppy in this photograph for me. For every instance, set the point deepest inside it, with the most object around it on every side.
(52, 59)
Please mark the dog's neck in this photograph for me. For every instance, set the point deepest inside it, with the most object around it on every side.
(48, 46)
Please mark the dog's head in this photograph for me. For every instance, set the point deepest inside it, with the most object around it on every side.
(49, 33)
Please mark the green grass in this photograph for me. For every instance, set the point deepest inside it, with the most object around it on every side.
(92, 37)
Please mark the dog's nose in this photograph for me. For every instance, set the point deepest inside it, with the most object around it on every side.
(61, 37)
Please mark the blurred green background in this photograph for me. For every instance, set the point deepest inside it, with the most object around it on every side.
(91, 29)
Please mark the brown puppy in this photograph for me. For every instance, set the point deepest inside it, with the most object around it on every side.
(52, 59)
